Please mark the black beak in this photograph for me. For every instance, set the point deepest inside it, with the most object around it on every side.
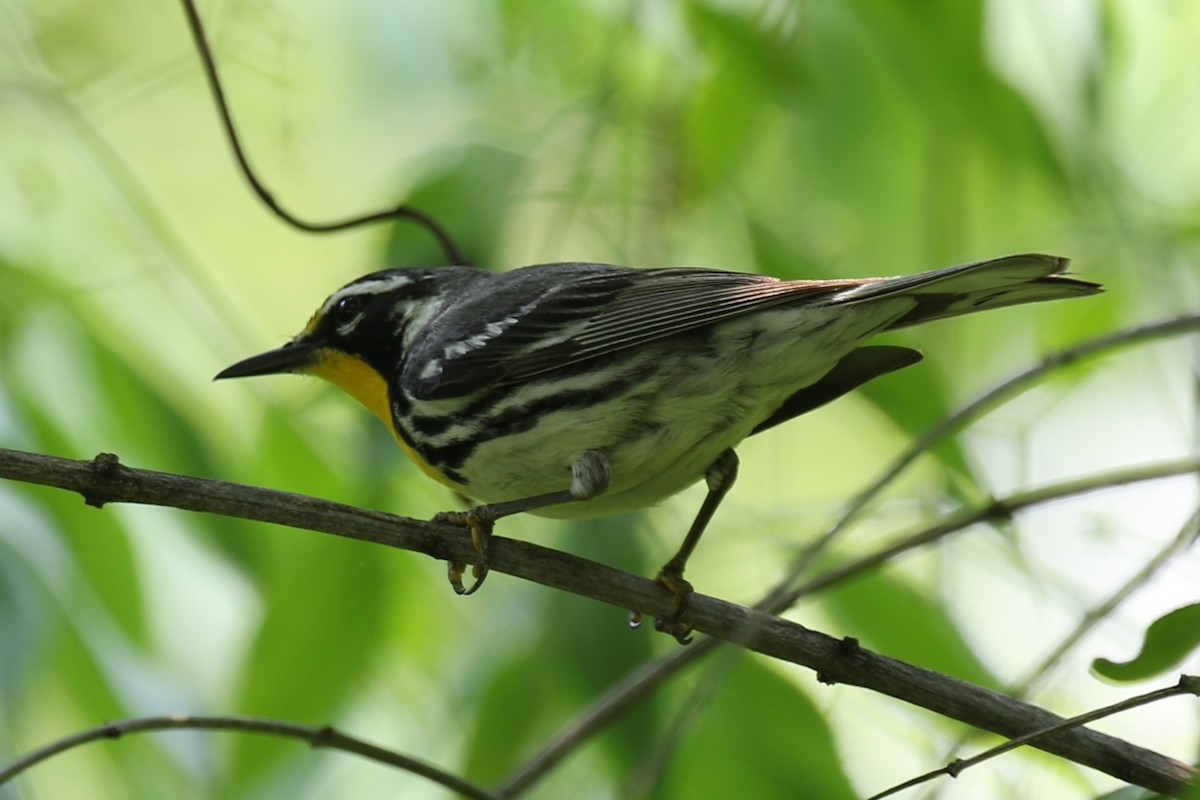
(292, 357)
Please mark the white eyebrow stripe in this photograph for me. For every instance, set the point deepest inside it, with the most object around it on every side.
(376, 286)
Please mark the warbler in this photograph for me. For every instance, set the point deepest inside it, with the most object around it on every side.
(579, 389)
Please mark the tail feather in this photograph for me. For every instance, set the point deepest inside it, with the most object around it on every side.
(967, 288)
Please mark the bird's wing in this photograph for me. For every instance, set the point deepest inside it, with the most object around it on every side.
(541, 318)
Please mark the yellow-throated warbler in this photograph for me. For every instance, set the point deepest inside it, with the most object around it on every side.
(576, 390)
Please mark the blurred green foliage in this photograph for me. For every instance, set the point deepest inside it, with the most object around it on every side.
(803, 139)
(1169, 640)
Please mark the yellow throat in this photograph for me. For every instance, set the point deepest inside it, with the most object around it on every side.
(359, 380)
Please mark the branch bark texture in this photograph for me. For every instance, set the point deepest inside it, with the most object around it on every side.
(105, 480)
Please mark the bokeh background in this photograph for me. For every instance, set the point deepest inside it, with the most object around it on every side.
(813, 138)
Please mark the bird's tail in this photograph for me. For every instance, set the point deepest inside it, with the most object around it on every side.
(967, 288)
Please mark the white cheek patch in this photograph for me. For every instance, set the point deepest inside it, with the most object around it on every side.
(344, 330)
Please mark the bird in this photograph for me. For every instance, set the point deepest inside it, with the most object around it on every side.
(578, 389)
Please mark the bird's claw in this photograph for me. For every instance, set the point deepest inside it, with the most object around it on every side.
(455, 573)
(481, 536)
(680, 630)
(671, 578)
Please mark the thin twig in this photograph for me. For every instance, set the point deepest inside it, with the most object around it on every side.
(996, 510)
(104, 480)
(1021, 688)
(612, 705)
(401, 211)
(325, 738)
(1182, 540)
(967, 414)
(1188, 684)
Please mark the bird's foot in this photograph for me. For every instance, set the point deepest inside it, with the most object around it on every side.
(480, 525)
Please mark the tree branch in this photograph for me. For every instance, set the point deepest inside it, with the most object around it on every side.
(1187, 684)
(104, 480)
(1184, 539)
(326, 738)
(995, 511)
(973, 410)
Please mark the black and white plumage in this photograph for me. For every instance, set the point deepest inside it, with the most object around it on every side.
(582, 389)
(500, 381)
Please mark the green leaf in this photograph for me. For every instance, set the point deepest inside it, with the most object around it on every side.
(325, 612)
(322, 627)
(1168, 641)
(894, 618)
(587, 647)
(761, 736)
(510, 715)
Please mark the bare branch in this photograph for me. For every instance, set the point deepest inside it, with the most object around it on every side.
(326, 738)
(1188, 684)
(997, 510)
(1183, 540)
(1186, 536)
(973, 410)
(105, 480)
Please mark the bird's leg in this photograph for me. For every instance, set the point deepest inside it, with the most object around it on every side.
(719, 476)
(590, 475)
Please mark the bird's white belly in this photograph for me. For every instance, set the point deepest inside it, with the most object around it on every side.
(649, 460)
(662, 434)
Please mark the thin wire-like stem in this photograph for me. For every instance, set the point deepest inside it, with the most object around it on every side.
(781, 598)
(402, 211)
(1188, 684)
(1021, 688)
(1182, 540)
(325, 738)
(999, 509)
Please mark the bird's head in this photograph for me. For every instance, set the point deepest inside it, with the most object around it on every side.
(357, 338)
